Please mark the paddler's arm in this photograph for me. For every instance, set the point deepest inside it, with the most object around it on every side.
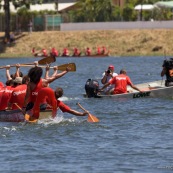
(47, 72)
(17, 74)
(71, 111)
(8, 72)
(52, 78)
(28, 91)
(163, 72)
(136, 88)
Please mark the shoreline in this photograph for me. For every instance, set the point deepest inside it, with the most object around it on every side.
(121, 43)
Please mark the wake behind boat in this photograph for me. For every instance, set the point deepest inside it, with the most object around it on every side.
(153, 89)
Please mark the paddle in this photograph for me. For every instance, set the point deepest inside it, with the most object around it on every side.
(28, 118)
(43, 61)
(91, 118)
(62, 67)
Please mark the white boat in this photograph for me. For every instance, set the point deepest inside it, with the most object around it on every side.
(150, 89)
(17, 115)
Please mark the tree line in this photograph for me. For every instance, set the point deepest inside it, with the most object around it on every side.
(91, 11)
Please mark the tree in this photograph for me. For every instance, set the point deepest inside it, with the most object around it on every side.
(93, 11)
(17, 4)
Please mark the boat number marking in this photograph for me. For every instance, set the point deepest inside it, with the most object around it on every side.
(144, 94)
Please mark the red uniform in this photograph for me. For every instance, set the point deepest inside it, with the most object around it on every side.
(5, 94)
(65, 52)
(88, 51)
(18, 96)
(103, 50)
(54, 52)
(1, 85)
(98, 51)
(34, 92)
(76, 52)
(44, 52)
(48, 95)
(121, 81)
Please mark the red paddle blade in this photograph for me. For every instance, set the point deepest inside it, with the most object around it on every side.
(30, 119)
(92, 119)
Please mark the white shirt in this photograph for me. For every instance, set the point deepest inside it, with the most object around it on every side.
(107, 80)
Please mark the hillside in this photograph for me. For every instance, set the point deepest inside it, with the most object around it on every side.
(119, 42)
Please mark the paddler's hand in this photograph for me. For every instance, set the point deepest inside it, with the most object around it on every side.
(55, 68)
(85, 113)
(36, 63)
(68, 69)
(17, 65)
(47, 67)
(7, 67)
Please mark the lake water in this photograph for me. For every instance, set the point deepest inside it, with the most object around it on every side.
(132, 136)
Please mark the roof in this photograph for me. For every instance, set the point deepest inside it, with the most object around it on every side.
(144, 7)
(39, 7)
(165, 4)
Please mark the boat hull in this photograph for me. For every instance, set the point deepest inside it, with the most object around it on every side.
(17, 116)
(153, 89)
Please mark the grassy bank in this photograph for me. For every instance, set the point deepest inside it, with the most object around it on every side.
(119, 42)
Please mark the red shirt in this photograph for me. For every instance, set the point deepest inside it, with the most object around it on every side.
(44, 52)
(48, 95)
(1, 85)
(98, 51)
(18, 96)
(121, 81)
(5, 94)
(62, 106)
(88, 51)
(34, 92)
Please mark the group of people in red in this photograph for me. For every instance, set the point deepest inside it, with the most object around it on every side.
(76, 52)
(32, 92)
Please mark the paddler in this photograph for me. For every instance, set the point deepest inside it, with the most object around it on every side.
(36, 83)
(52, 102)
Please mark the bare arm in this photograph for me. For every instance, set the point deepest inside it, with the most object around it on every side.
(136, 88)
(104, 78)
(163, 72)
(106, 85)
(17, 74)
(28, 91)
(8, 72)
(52, 78)
(71, 111)
(47, 72)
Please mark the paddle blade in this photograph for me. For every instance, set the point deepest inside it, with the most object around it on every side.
(30, 119)
(63, 67)
(47, 60)
(92, 119)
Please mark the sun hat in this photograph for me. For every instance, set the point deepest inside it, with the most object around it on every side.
(18, 80)
(111, 67)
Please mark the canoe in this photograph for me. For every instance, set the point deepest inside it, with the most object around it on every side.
(17, 116)
(86, 56)
(153, 89)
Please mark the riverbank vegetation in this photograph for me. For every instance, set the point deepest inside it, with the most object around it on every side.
(119, 42)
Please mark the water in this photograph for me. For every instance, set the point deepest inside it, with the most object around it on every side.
(132, 136)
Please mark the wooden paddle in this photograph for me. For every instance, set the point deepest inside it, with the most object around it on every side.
(43, 61)
(28, 118)
(60, 67)
(91, 118)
